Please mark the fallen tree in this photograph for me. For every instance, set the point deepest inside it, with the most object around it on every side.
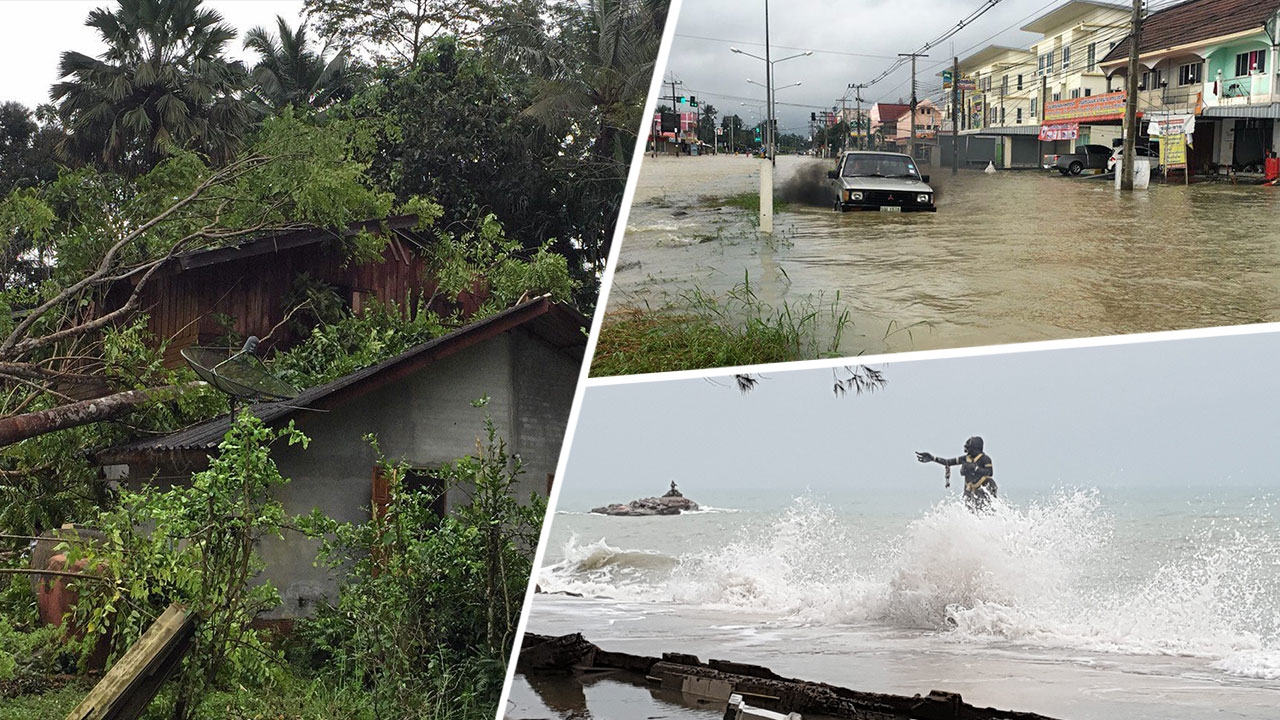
(718, 679)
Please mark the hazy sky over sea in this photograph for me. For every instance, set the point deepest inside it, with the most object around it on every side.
(1179, 414)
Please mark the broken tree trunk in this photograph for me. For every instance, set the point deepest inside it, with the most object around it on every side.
(762, 686)
(16, 428)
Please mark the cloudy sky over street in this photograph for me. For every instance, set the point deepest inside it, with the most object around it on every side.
(852, 42)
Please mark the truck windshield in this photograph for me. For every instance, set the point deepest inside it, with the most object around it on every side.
(878, 166)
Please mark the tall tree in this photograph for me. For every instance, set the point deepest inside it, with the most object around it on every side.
(291, 72)
(162, 86)
(707, 124)
(595, 70)
(397, 32)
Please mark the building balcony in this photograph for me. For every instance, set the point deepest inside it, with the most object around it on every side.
(1240, 92)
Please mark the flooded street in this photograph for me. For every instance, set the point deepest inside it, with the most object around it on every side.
(1008, 257)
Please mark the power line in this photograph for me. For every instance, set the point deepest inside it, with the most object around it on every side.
(785, 47)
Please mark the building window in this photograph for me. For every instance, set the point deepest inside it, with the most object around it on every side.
(1087, 92)
(1075, 94)
(1001, 114)
(1048, 63)
(1066, 57)
(1057, 97)
(1034, 102)
(1039, 65)
(1004, 85)
(1092, 57)
(1189, 74)
(1017, 115)
(1019, 82)
(1254, 61)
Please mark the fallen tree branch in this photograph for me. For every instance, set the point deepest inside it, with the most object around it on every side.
(16, 428)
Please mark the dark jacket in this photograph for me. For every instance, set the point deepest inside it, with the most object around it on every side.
(977, 473)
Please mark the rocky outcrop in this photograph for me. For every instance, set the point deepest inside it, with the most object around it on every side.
(671, 503)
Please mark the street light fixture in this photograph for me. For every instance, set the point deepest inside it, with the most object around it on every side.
(769, 90)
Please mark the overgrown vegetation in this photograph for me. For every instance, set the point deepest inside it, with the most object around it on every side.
(749, 201)
(506, 128)
(428, 610)
(703, 331)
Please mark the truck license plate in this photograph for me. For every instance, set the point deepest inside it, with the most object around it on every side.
(890, 208)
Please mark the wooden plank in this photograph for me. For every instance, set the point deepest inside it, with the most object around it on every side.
(130, 685)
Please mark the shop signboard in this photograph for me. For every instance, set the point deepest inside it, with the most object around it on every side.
(1059, 131)
(1086, 109)
(1173, 151)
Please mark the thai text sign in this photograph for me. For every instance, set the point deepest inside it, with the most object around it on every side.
(1059, 131)
(1173, 151)
(1085, 109)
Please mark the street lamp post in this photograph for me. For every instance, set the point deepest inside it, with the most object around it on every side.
(770, 92)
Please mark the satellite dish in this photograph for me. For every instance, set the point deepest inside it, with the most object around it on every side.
(240, 375)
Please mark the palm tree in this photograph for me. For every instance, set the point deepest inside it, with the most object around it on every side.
(291, 73)
(598, 73)
(161, 86)
(707, 124)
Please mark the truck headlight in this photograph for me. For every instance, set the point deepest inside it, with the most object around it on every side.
(854, 196)
(923, 198)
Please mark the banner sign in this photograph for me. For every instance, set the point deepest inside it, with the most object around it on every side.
(1173, 151)
(1172, 125)
(1059, 131)
(1087, 109)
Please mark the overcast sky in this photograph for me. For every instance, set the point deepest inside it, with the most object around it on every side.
(1177, 414)
(852, 42)
(35, 33)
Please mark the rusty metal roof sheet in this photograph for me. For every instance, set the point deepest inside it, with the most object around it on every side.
(559, 325)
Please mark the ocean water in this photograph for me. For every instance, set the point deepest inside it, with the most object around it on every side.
(1077, 603)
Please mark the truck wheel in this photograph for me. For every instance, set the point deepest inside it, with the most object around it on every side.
(1075, 168)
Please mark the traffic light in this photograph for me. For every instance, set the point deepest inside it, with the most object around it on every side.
(680, 99)
(813, 117)
(693, 101)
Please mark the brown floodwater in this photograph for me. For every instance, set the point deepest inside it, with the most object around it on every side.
(1008, 257)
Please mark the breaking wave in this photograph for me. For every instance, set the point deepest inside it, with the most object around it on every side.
(1049, 574)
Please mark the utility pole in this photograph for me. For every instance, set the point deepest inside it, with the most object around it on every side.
(844, 113)
(1131, 103)
(913, 56)
(769, 82)
(1044, 109)
(857, 95)
(955, 115)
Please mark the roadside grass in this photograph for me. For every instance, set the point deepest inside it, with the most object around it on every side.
(701, 331)
(749, 201)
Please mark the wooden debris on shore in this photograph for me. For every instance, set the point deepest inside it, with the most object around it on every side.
(719, 679)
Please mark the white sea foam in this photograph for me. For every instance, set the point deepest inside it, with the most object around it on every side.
(1049, 574)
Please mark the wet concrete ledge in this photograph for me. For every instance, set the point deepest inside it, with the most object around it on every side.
(760, 686)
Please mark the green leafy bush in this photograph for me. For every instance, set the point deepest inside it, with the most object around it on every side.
(429, 606)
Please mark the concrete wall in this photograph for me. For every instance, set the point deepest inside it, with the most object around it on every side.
(425, 420)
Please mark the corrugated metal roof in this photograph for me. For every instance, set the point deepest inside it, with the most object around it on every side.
(1195, 21)
(559, 325)
(1243, 111)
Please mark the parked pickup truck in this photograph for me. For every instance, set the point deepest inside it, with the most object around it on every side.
(1085, 156)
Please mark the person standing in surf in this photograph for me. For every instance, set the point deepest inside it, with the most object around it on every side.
(975, 468)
